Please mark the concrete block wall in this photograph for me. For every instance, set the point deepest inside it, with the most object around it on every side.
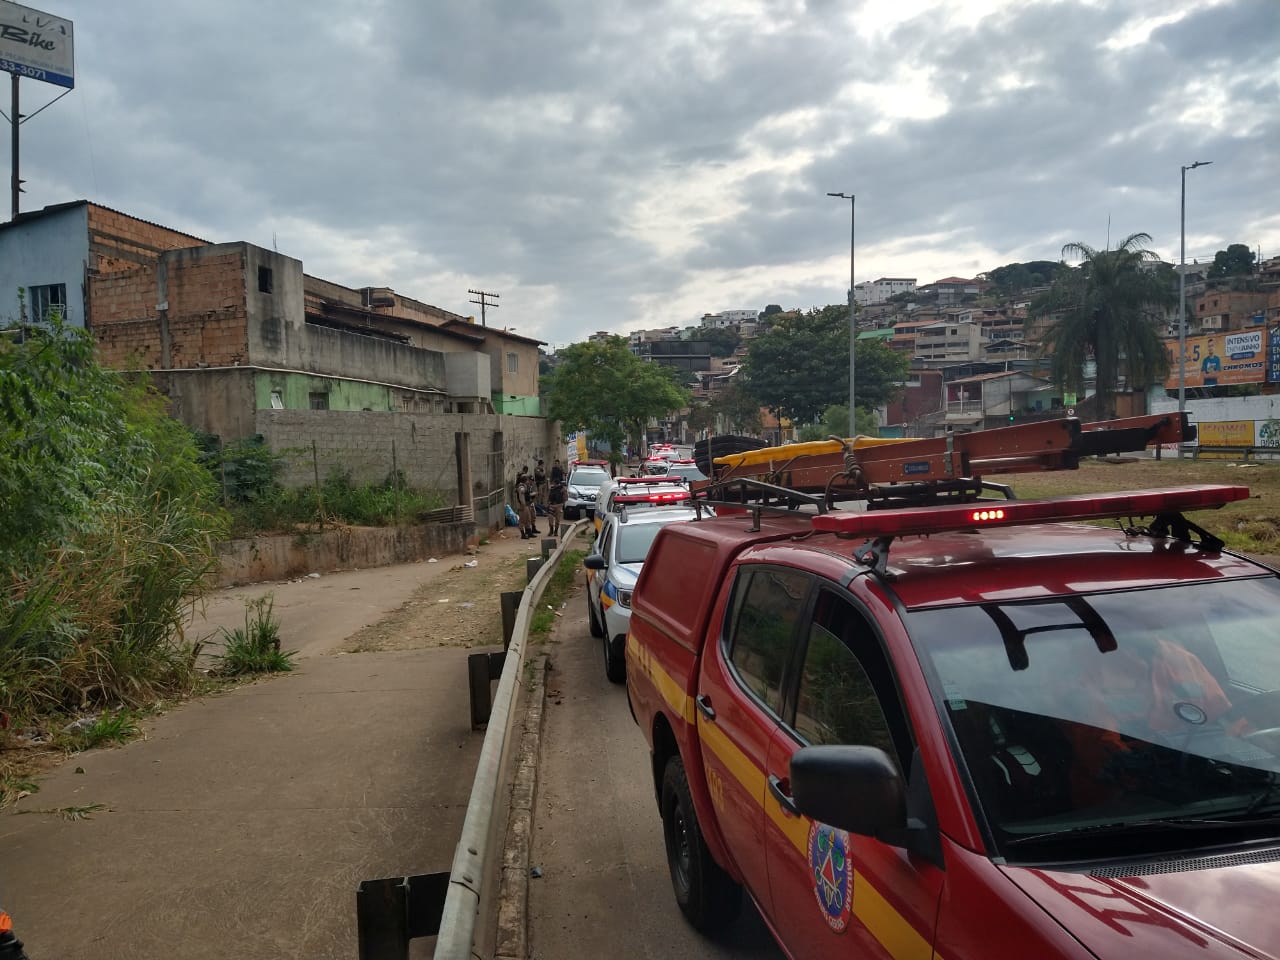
(129, 344)
(205, 292)
(121, 243)
(424, 446)
(340, 353)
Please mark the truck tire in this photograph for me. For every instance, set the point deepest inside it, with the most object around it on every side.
(706, 895)
(597, 628)
(615, 661)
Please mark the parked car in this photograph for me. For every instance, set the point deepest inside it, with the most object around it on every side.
(585, 477)
(639, 493)
(612, 566)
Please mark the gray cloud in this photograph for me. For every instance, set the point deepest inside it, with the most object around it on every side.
(607, 165)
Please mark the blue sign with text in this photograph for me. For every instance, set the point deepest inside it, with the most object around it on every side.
(1273, 356)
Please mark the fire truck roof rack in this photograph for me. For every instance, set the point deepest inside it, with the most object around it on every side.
(948, 469)
(1166, 506)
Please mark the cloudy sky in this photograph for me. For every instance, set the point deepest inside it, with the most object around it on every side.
(604, 164)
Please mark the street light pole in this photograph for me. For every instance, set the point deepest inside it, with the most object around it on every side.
(853, 323)
(1182, 295)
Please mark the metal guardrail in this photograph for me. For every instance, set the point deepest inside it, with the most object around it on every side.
(462, 901)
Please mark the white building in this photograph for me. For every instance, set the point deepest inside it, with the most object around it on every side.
(729, 318)
(878, 291)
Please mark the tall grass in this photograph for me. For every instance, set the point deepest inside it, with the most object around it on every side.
(249, 474)
(107, 532)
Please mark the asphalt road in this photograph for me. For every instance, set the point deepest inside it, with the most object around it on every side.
(605, 890)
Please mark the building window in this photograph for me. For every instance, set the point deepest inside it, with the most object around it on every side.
(513, 363)
(47, 301)
(264, 279)
(277, 400)
(319, 400)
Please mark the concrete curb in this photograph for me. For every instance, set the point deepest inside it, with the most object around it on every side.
(512, 938)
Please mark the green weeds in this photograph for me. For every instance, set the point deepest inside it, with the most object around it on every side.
(255, 647)
(115, 727)
(555, 594)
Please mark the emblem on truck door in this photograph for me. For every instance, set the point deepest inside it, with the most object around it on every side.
(832, 874)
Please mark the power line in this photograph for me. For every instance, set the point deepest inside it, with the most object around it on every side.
(486, 300)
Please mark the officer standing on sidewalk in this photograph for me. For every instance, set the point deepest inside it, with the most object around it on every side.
(555, 505)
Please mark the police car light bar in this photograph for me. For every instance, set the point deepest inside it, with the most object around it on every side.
(674, 496)
(651, 480)
(1005, 513)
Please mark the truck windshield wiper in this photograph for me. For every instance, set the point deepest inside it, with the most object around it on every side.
(1169, 824)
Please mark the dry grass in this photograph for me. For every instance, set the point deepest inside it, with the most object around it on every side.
(1251, 526)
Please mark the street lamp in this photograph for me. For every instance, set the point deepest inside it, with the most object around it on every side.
(853, 325)
(1182, 298)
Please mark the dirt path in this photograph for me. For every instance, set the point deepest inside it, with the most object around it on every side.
(402, 607)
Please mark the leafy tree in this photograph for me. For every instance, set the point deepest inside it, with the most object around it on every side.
(801, 366)
(835, 423)
(1013, 278)
(738, 409)
(770, 310)
(1235, 261)
(701, 417)
(604, 389)
(723, 340)
(1107, 308)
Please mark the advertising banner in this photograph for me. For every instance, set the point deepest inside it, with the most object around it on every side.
(36, 45)
(1273, 357)
(1220, 358)
(1224, 433)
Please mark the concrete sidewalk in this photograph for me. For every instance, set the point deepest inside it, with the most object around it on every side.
(243, 822)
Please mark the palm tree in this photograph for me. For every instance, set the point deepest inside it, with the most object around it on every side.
(1109, 309)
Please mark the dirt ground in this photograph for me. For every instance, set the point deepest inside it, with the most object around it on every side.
(453, 609)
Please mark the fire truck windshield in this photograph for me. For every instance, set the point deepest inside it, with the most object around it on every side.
(1112, 709)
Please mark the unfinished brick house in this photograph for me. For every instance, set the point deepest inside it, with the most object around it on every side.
(240, 339)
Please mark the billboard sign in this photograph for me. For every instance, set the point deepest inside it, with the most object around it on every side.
(36, 45)
(1273, 356)
(1224, 433)
(1220, 358)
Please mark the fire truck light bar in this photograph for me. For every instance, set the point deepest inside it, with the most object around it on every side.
(1091, 506)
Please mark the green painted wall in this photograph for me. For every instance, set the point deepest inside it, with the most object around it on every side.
(296, 389)
(517, 406)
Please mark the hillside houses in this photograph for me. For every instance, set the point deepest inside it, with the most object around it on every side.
(977, 357)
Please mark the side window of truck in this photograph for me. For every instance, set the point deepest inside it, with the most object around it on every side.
(768, 604)
(846, 693)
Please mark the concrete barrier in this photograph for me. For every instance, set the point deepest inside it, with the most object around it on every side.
(256, 559)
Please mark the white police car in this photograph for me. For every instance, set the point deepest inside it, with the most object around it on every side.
(612, 568)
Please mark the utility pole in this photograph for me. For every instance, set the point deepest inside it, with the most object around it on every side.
(486, 300)
(1182, 294)
(15, 119)
(853, 321)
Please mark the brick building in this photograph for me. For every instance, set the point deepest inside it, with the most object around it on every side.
(238, 336)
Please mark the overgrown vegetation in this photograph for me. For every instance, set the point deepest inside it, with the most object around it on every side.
(248, 475)
(107, 529)
(555, 594)
(255, 647)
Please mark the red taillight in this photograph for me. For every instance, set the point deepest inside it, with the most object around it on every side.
(1132, 503)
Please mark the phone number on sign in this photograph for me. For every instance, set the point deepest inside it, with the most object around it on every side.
(8, 66)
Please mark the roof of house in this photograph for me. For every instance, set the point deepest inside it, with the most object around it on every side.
(52, 208)
(472, 329)
(979, 377)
